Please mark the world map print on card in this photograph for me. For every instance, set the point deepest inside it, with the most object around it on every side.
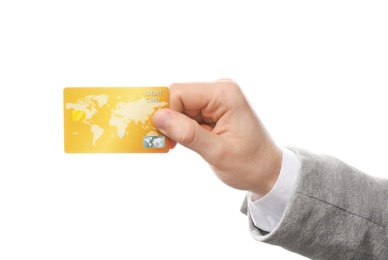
(113, 119)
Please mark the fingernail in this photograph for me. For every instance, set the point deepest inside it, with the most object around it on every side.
(161, 118)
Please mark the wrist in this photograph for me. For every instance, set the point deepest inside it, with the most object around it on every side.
(267, 171)
(267, 211)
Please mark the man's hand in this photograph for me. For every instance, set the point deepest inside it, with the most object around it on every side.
(215, 120)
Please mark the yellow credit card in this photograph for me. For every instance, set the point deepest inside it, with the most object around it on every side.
(113, 119)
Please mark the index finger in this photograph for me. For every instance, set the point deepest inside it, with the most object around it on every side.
(208, 100)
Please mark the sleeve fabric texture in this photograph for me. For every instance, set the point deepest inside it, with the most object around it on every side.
(335, 212)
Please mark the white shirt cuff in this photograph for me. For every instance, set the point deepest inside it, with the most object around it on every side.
(267, 212)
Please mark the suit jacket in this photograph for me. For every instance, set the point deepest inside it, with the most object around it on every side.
(335, 212)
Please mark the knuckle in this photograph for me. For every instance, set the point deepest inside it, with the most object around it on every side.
(173, 86)
(225, 80)
(189, 136)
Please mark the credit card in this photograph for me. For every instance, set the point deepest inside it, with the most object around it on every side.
(113, 119)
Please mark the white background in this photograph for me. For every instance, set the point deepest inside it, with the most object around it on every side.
(315, 72)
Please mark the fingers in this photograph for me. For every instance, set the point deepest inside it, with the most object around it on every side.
(202, 114)
(204, 100)
(186, 131)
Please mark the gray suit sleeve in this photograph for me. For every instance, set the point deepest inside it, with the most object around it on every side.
(335, 212)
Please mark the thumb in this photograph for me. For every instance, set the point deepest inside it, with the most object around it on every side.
(186, 131)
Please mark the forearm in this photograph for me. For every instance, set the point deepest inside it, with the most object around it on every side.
(335, 212)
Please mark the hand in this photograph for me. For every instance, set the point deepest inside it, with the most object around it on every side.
(215, 120)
